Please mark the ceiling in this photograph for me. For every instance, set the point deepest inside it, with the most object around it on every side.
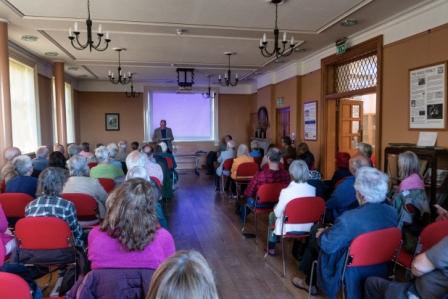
(148, 30)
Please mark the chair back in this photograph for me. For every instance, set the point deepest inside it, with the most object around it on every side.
(40, 233)
(169, 163)
(92, 164)
(269, 193)
(13, 286)
(14, 204)
(246, 170)
(373, 248)
(157, 181)
(85, 205)
(108, 184)
(227, 165)
(2, 253)
(433, 234)
(304, 210)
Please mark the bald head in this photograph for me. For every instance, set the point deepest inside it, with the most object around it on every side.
(356, 162)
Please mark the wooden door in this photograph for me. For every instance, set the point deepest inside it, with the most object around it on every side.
(282, 127)
(350, 116)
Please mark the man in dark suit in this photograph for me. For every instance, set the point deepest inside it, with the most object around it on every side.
(163, 133)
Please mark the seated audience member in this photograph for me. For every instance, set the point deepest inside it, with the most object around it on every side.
(41, 160)
(343, 197)
(265, 161)
(135, 146)
(8, 171)
(113, 151)
(85, 152)
(73, 150)
(129, 236)
(122, 150)
(303, 153)
(23, 182)
(255, 151)
(365, 150)
(98, 145)
(165, 153)
(136, 158)
(273, 174)
(242, 156)
(50, 203)
(142, 173)
(331, 244)
(6, 236)
(80, 182)
(212, 156)
(57, 147)
(430, 270)
(105, 169)
(229, 153)
(411, 192)
(298, 187)
(288, 151)
(154, 169)
(186, 275)
(57, 159)
(167, 186)
(342, 169)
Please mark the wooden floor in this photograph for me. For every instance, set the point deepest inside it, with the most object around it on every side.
(204, 220)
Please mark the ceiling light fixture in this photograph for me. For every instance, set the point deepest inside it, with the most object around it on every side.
(210, 94)
(277, 50)
(29, 38)
(51, 54)
(74, 36)
(122, 78)
(185, 78)
(228, 75)
(349, 22)
(132, 93)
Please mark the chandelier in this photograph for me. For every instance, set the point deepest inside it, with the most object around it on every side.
(132, 93)
(277, 50)
(185, 78)
(99, 45)
(122, 78)
(209, 94)
(227, 80)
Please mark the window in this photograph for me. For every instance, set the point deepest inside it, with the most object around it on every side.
(359, 74)
(25, 126)
(54, 113)
(189, 115)
(69, 113)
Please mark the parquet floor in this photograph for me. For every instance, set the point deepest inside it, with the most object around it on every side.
(204, 220)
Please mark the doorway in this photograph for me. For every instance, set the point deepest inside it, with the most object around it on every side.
(282, 124)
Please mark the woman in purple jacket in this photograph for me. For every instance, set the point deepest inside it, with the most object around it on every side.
(130, 235)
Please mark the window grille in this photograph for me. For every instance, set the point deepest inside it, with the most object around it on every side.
(358, 74)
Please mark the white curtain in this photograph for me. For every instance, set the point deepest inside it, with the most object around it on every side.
(69, 113)
(23, 107)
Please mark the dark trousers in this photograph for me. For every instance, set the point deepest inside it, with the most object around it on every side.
(380, 288)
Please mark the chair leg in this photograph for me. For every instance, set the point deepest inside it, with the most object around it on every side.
(267, 244)
(310, 283)
(283, 256)
(222, 183)
(255, 216)
(244, 218)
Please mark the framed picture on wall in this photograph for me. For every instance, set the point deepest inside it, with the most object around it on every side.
(427, 97)
(112, 121)
(310, 120)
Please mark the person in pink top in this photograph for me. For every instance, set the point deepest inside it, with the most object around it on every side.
(5, 235)
(130, 235)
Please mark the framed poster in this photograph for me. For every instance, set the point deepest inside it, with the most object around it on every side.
(427, 93)
(112, 121)
(310, 120)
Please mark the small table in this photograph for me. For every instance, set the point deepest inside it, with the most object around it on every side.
(189, 159)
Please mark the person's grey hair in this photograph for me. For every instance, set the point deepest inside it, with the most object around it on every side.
(77, 166)
(184, 275)
(371, 184)
(11, 152)
(42, 152)
(365, 148)
(136, 158)
(22, 164)
(358, 162)
(408, 164)
(274, 155)
(299, 171)
(113, 149)
(138, 172)
(102, 154)
(242, 150)
(51, 181)
(74, 149)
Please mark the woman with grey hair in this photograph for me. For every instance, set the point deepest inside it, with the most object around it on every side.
(411, 193)
(242, 156)
(105, 169)
(113, 151)
(8, 171)
(41, 160)
(22, 182)
(80, 182)
(74, 149)
(51, 204)
(298, 187)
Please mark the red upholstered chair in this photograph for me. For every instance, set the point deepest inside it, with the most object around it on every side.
(301, 210)
(108, 184)
(44, 241)
(267, 194)
(14, 205)
(86, 208)
(92, 164)
(226, 167)
(13, 287)
(244, 173)
(157, 181)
